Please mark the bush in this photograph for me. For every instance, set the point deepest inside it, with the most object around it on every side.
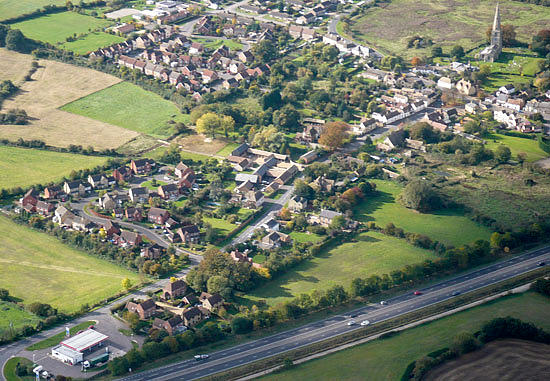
(420, 195)
(240, 325)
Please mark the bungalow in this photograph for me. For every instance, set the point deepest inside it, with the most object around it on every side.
(173, 326)
(139, 194)
(168, 191)
(142, 166)
(275, 239)
(175, 289)
(158, 216)
(145, 309)
(211, 302)
(189, 234)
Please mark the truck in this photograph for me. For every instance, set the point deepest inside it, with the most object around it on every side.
(96, 360)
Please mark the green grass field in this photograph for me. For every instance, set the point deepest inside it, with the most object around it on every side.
(12, 313)
(373, 253)
(9, 369)
(56, 27)
(91, 42)
(387, 359)
(222, 227)
(129, 106)
(38, 268)
(226, 151)
(517, 145)
(21, 167)
(448, 226)
(388, 26)
(13, 8)
(215, 43)
(305, 237)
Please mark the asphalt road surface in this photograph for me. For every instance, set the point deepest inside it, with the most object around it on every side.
(337, 325)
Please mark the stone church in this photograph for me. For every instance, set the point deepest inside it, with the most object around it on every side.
(491, 52)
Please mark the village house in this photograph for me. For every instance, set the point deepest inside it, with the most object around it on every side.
(139, 194)
(76, 188)
(142, 166)
(189, 234)
(168, 191)
(192, 316)
(173, 326)
(122, 174)
(158, 216)
(322, 184)
(327, 216)
(52, 192)
(254, 199)
(133, 214)
(152, 252)
(297, 204)
(175, 289)
(275, 239)
(127, 239)
(44, 208)
(211, 301)
(110, 228)
(145, 309)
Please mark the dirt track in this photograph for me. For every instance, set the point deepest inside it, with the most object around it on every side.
(499, 361)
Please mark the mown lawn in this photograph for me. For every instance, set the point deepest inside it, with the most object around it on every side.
(305, 237)
(226, 151)
(38, 268)
(372, 253)
(9, 369)
(92, 42)
(56, 27)
(11, 313)
(517, 145)
(129, 106)
(215, 43)
(387, 359)
(222, 227)
(448, 226)
(21, 167)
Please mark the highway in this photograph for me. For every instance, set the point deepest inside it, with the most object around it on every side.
(337, 325)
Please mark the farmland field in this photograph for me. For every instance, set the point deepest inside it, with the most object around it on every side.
(21, 167)
(38, 268)
(517, 145)
(91, 42)
(372, 253)
(129, 106)
(14, 8)
(389, 25)
(448, 226)
(387, 359)
(14, 66)
(56, 27)
(55, 84)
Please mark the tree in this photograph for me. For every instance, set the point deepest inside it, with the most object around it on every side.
(219, 285)
(503, 154)
(416, 61)
(420, 195)
(272, 100)
(15, 40)
(126, 283)
(3, 33)
(240, 325)
(287, 118)
(228, 124)
(423, 131)
(338, 223)
(541, 42)
(208, 124)
(265, 51)
(457, 51)
(334, 135)
(437, 51)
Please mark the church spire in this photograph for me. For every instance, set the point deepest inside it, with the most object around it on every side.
(496, 22)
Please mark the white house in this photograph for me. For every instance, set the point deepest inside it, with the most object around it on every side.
(445, 83)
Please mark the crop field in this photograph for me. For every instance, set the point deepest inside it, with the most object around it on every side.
(448, 226)
(13, 8)
(56, 27)
(371, 253)
(91, 42)
(387, 359)
(130, 107)
(55, 84)
(21, 167)
(14, 66)
(12, 313)
(38, 268)
(389, 25)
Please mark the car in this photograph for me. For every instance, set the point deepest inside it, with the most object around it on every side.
(365, 322)
(351, 322)
(541, 263)
(353, 315)
(417, 293)
(383, 303)
(201, 357)
(455, 293)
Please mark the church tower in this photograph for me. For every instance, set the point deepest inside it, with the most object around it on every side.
(496, 34)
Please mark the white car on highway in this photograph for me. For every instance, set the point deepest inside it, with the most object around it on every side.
(365, 322)
(351, 322)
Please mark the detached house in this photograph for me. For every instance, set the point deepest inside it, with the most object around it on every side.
(158, 216)
(297, 204)
(173, 326)
(189, 234)
(142, 166)
(192, 316)
(168, 191)
(211, 302)
(44, 208)
(139, 195)
(52, 192)
(122, 174)
(152, 252)
(76, 187)
(127, 239)
(275, 239)
(145, 309)
(174, 290)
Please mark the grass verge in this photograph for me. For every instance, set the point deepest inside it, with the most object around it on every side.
(57, 338)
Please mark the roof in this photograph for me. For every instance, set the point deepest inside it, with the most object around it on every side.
(147, 304)
(84, 340)
(176, 285)
(329, 213)
(191, 313)
(215, 299)
(157, 212)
